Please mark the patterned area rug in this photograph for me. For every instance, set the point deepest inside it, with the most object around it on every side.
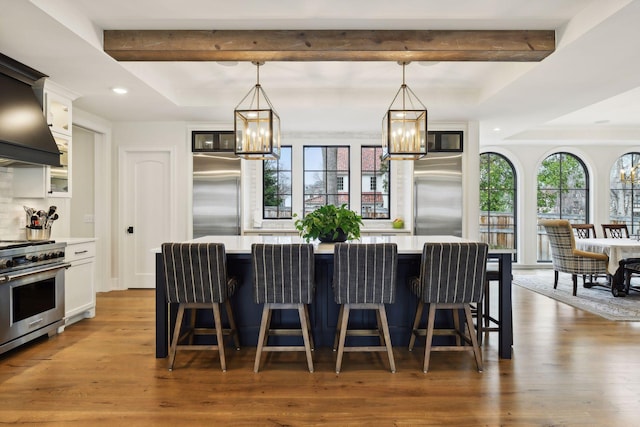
(596, 300)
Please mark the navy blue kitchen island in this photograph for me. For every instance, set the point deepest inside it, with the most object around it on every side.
(323, 310)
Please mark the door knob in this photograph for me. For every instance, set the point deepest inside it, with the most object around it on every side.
(130, 230)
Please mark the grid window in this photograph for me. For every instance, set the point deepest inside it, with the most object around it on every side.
(563, 193)
(276, 186)
(624, 201)
(375, 178)
(326, 176)
(497, 201)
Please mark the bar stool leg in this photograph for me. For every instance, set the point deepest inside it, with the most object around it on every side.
(219, 336)
(262, 337)
(416, 323)
(382, 314)
(304, 325)
(343, 336)
(232, 324)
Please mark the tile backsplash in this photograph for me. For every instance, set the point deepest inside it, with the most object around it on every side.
(12, 215)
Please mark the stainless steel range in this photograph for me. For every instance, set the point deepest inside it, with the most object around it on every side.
(31, 290)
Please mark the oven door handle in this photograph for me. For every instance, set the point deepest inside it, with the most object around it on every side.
(10, 277)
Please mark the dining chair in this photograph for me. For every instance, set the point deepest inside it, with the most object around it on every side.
(566, 258)
(615, 231)
(629, 266)
(364, 278)
(452, 277)
(283, 279)
(585, 231)
(196, 278)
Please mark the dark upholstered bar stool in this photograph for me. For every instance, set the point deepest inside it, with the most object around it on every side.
(283, 278)
(364, 277)
(485, 321)
(196, 278)
(452, 276)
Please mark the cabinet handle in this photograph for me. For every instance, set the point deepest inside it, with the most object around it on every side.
(81, 252)
(35, 322)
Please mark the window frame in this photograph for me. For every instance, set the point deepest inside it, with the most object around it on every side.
(630, 192)
(514, 192)
(539, 216)
(340, 194)
(278, 171)
(383, 165)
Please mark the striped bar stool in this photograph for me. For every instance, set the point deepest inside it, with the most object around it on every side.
(364, 278)
(196, 278)
(283, 278)
(452, 276)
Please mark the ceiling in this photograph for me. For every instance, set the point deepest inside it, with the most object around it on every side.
(590, 86)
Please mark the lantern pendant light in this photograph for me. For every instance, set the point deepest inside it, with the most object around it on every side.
(256, 125)
(404, 126)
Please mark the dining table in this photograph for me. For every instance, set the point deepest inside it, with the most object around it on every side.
(617, 250)
(324, 311)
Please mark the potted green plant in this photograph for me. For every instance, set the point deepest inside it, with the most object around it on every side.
(330, 223)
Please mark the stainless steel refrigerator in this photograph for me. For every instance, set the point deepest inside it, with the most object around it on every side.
(216, 194)
(437, 182)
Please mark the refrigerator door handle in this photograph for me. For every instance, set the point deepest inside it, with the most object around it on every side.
(238, 207)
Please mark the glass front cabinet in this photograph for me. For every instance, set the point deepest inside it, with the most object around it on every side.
(57, 109)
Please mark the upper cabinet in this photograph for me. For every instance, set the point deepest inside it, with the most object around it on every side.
(48, 181)
(57, 108)
(445, 141)
(212, 141)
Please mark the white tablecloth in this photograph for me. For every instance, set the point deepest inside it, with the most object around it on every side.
(617, 249)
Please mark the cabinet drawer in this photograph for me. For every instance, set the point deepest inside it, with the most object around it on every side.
(79, 251)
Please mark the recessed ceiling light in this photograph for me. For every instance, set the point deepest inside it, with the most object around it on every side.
(227, 63)
(497, 129)
(120, 90)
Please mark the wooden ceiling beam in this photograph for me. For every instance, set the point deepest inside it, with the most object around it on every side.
(329, 45)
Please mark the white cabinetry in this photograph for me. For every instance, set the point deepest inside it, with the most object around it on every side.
(79, 280)
(48, 181)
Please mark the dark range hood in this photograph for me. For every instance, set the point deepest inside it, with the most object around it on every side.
(24, 134)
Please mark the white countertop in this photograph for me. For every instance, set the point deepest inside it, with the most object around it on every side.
(406, 244)
(363, 230)
(75, 240)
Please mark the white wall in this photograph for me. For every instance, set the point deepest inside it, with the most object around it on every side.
(82, 203)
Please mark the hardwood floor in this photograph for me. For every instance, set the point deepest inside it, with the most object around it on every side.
(569, 368)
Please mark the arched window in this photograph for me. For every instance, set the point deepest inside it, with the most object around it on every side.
(497, 201)
(624, 205)
(563, 193)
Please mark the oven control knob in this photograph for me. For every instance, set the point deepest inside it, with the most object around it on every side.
(6, 263)
(61, 254)
(32, 258)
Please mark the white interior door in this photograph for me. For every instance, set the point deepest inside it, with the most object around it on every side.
(147, 198)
